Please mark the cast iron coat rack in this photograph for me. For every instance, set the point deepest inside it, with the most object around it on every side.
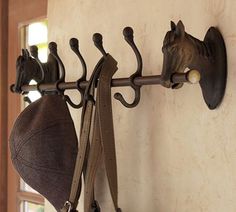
(206, 61)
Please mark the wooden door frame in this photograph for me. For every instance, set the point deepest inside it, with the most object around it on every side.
(20, 12)
(3, 104)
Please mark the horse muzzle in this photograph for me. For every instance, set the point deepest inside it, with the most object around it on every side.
(170, 66)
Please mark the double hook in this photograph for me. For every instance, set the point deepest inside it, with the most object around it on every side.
(129, 37)
(74, 44)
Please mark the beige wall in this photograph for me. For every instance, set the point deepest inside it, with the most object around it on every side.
(174, 155)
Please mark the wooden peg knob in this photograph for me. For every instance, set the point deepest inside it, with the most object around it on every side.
(194, 76)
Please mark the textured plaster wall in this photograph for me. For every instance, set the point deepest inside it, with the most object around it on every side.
(174, 155)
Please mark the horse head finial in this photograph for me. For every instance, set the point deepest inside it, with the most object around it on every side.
(178, 52)
(208, 57)
(26, 70)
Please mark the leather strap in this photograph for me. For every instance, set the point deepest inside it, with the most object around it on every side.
(104, 107)
(93, 162)
(103, 136)
(102, 142)
(86, 116)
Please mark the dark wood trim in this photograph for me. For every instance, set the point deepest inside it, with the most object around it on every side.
(3, 103)
(20, 12)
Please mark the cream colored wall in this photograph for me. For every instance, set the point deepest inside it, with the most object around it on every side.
(174, 155)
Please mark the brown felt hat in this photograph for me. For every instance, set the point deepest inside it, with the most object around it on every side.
(44, 147)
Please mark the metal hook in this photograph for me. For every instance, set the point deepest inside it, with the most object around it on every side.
(34, 54)
(97, 39)
(25, 54)
(74, 44)
(128, 35)
(53, 50)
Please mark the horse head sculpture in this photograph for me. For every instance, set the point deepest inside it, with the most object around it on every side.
(26, 70)
(182, 51)
(29, 68)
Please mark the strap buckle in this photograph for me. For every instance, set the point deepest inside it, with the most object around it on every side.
(68, 206)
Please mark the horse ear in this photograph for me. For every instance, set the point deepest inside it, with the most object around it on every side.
(25, 54)
(19, 60)
(172, 26)
(180, 29)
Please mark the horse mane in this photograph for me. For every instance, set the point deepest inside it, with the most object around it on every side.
(169, 38)
(200, 46)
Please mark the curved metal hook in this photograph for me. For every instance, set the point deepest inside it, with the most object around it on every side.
(53, 50)
(74, 44)
(34, 53)
(52, 46)
(97, 39)
(128, 35)
(25, 54)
